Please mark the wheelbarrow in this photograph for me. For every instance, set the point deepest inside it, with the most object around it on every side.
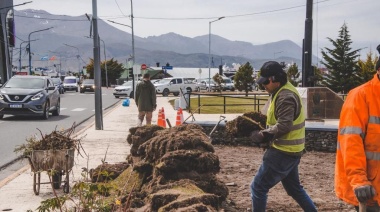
(56, 162)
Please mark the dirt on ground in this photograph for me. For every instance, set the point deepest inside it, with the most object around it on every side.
(239, 165)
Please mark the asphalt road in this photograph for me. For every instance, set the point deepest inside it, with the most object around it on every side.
(75, 108)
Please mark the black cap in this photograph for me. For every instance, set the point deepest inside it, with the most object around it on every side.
(270, 68)
(378, 60)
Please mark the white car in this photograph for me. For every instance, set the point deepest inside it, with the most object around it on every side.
(124, 90)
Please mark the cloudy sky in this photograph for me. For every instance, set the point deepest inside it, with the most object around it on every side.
(254, 21)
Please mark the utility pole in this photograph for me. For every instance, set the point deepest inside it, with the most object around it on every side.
(97, 75)
(307, 69)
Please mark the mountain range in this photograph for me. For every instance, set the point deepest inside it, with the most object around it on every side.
(69, 36)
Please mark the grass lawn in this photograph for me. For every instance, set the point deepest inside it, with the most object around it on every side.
(215, 105)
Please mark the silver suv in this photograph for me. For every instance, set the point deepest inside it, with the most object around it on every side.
(29, 96)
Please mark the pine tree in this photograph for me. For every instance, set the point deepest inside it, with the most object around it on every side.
(341, 63)
(243, 78)
(367, 68)
(293, 74)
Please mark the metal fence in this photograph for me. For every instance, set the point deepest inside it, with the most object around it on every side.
(254, 97)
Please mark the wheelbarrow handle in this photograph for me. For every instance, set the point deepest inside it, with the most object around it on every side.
(362, 207)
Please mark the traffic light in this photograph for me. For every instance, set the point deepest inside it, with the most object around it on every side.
(130, 74)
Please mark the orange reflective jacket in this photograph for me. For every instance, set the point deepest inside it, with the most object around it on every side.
(358, 147)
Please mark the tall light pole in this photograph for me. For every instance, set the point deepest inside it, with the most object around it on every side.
(133, 44)
(30, 56)
(105, 59)
(209, 50)
(105, 62)
(78, 56)
(19, 59)
(97, 75)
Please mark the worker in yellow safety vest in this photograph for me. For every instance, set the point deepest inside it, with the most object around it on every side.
(285, 139)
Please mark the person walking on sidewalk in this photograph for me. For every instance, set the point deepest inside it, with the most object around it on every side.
(146, 100)
(357, 167)
(284, 139)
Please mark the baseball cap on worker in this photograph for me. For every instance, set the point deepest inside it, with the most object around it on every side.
(270, 68)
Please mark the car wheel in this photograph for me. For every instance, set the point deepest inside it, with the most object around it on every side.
(165, 92)
(116, 97)
(45, 114)
(175, 93)
(189, 90)
(57, 110)
(1, 116)
(233, 89)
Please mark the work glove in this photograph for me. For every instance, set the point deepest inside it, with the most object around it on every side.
(261, 138)
(364, 193)
(257, 137)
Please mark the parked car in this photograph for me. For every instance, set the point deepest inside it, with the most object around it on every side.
(228, 84)
(29, 96)
(59, 84)
(87, 85)
(205, 84)
(124, 90)
(174, 85)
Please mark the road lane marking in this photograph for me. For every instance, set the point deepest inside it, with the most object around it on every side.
(79, 109)
(62, 108)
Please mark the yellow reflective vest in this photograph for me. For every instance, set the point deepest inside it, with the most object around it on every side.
(358, 147)
(294, 141)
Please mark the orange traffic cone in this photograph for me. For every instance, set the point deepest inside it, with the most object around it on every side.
(159, 119)
(179, 119)
(163, 120)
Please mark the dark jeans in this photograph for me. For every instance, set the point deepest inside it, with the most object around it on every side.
(278, 166)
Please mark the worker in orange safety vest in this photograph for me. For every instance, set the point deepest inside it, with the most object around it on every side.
(357, 169)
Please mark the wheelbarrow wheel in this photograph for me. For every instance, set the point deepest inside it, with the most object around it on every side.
(36, 182)
(57, 179)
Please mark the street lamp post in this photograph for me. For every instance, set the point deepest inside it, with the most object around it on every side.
(209, 50)
(78, 56)
(30, 56)
(19, 59)
(105, 59)
(133, 45)
(105, 62)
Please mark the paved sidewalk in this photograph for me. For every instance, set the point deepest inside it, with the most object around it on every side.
(16, 191)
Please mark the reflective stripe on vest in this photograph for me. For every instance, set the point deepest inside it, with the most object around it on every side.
(294, 141)
(374, 120)
(352, 130)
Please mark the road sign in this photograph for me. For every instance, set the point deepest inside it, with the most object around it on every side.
(143, 66)
(167, 67)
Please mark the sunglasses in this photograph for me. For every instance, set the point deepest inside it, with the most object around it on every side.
(266, 82)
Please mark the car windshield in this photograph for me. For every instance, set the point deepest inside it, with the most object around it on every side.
(165, 81)
(129, 83)
(227, 80)
(88, 81)
(25, 83)
(56, 81)
(70, 81)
